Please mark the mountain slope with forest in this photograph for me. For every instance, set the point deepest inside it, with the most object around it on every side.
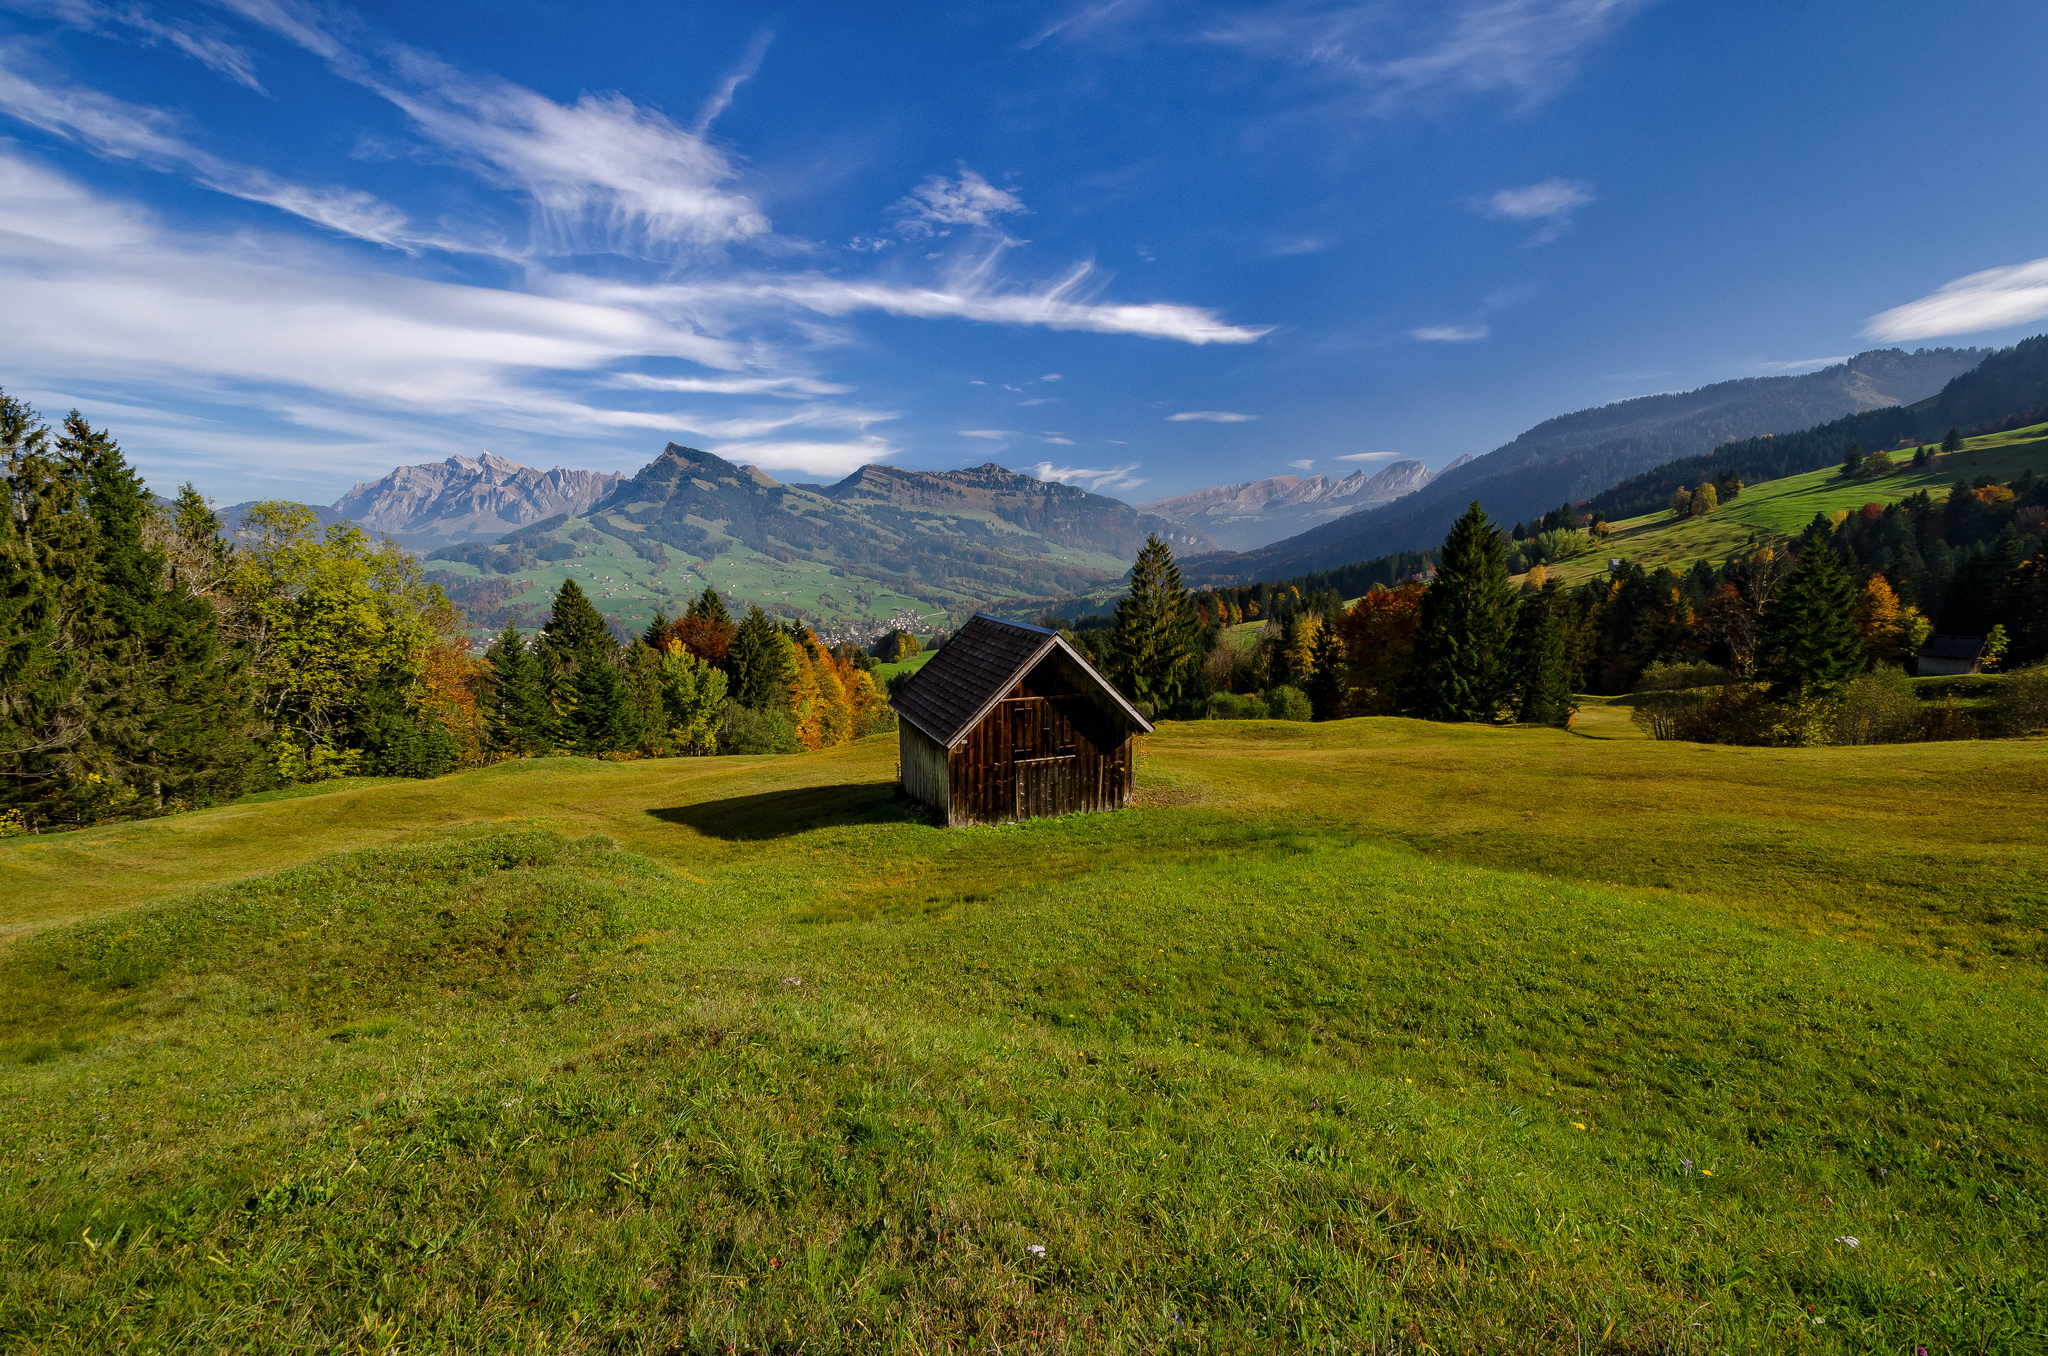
(1246, 516)
(1575, 456)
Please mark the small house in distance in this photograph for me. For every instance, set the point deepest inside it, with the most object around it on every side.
(1950, 654)
(1009, 722)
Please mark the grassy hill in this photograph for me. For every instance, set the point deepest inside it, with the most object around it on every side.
(1782, 508)
(1364, 1036)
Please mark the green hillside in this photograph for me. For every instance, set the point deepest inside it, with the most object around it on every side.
(1362, 1036)
(1778, 509)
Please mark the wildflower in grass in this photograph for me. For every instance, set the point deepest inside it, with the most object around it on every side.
(1706, 1172)
(1035, 1249)
(1849, 1242)
(1685, 1164)
(1578, 1125)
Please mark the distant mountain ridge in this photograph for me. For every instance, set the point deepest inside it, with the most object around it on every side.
(881, 542)
(1576, 456)
(464, 498)
(1246, 516)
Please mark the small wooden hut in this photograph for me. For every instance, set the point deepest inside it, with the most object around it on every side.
(1951, 655)
(1009, 722)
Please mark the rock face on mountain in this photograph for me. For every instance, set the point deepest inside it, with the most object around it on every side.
(464, 498)
(1575, 456)
(1247, 516)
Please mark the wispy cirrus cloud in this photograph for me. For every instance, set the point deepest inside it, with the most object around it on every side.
(1094, 479)
(1368, 456)
(1305, 464)
(2016, 294)
(1209, 417)
(1551, 202)
(993, 434)
(939, 205)
(1398, 55)
(1786, 365)
(1451, 334)
(201, 40)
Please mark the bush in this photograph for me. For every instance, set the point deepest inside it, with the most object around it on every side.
(2022, 701)
(1947, 719)
(1878, 708)
(746, 730)
(1673, 695)
(1562, 544)
(1288, 703)
(1233, 706)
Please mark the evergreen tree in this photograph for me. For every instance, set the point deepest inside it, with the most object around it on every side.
(1852, 461)
(1953, 442)
(519, 718)
(47, 592)
(605, 719)
(656, 632)
(1808, 638)
(708, 606)
(576, 632)
(1461, 645)
(170, 713)
(1153, 639)
(761, 667)
(1543, 694)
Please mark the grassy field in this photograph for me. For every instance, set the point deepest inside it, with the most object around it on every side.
(1782, 508)
(1369, 1036)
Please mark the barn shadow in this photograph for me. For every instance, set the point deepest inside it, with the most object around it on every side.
(800, 809)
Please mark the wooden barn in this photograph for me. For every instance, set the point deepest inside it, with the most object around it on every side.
(1950, 655)
(1009, 722)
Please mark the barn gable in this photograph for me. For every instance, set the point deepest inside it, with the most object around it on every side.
(1008, 721)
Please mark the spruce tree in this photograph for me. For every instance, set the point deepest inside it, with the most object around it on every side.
(605, 719)
(708, 606)
(576, 631)
(1543, 694)
(1461, 641)
(1153, 641)
(760, 664)
(1808, 639)
(657, 631)
(519, 720)
(1953, 442)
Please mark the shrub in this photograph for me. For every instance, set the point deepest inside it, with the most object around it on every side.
(1289, 703)
(747, 730)
(1946, 719)
(1878, 708)
(2022, 700)
(1236, 706)
(1562, 544)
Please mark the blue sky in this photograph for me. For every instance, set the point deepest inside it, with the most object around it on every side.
(1141, 245)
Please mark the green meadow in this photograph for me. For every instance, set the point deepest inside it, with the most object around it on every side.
(1369, 1036)
(1776, 509)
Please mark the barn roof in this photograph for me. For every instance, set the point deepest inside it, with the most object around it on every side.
(1953, 647)
(977, 667)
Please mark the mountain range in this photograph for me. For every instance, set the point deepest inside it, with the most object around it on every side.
(879, 546)
(1575, 456)
(1250, 515)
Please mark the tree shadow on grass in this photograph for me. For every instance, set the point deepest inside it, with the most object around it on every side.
(780, 814)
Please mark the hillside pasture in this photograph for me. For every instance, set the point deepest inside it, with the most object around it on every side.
(1777, 509)
(1365, 1036)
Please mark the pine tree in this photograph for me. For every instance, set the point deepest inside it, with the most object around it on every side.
(171, 714)
(1808, 639)
(1543, 694)
(576, 631)
(708, 606)
(1852, 461)
(520, 720)
(1953, 442)
(656, 632)
(1153, 640)
(761, 667)
(1461, 644)
(605, 719)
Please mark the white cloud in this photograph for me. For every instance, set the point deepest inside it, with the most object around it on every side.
(787, 387)
(743, 71)
(201, 44)
(991, 433)
(1367, 456)
(1039, 400)
(1451, 334)
(1094, 479)
(1209, 417)
(939, 204)
(1528, 49)
(1538, 202)
(1793, 365)
(1056, 438)
(1303, 465)
(2016, 294)
(1290, 246)
(1051, 376)
(808, 458)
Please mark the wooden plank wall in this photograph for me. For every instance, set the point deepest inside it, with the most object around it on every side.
(1033, 745)
(924, 770)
